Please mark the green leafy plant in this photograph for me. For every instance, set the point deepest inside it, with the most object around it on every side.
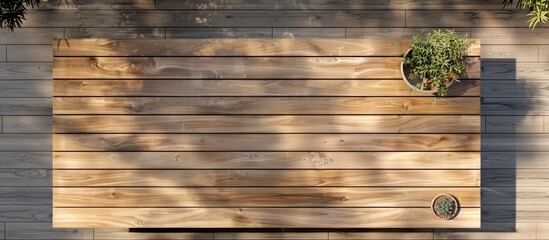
(539, 10)
(437, 59)
(12, 12)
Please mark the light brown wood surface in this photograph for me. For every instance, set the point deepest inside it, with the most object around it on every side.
(322, 131)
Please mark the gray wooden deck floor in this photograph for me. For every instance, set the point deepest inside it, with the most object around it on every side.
(515, 103)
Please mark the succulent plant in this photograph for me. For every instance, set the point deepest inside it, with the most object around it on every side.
(445, 207)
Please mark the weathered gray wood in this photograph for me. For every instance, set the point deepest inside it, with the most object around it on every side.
(516, 178)
(27, 124)
(280, 160)
(520, 53)
(30, 35)
(409, 234)
(509, 69)
(515, 142)
(25, 177)
(85, 32)
(279, 235)
(265, 105)
(26, 213)
(26, 160)
(219, 33)
(25, 142)
(515, 106)
(467, 18)
(25, 195)
(249, 124)
(271, 142)
(3, 51)
(544, 53)
(126, 234)
(514, 124)
(29, 53)
(26, 70)
(519, 160)
(397, 32)
(308, 32)
(510, 35)
(45, 231)
(521, 231)
(515, 194)
(217, 18)
(24, 88)
(519, 88)
(25, 106)
(102, 4)
(326, 4)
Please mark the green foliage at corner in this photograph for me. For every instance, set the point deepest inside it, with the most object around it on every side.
(438, 59)
(539, 10)
(12, 12)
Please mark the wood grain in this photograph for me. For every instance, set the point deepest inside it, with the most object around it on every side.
(261, 217)
(206, 32)
(45, 231)
(23, 160)
(259, 197)
(266, 178)
(248, 87)
(267, 142)
(277, 160)
(26, 106)
(265, 105)
(27, 124)
(234, 67)
(368, 47)
(25, 88)
(258, 124)
(25, 142)
(26, 195)
(115, 32)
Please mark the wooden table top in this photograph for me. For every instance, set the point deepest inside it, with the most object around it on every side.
(257, 133)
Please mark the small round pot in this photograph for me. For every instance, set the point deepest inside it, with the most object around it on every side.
(445, 197)
(412, 82)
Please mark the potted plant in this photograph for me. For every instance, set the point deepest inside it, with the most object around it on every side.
(435, 61)
(445, 206)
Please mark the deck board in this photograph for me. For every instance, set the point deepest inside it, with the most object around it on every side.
(319, 129)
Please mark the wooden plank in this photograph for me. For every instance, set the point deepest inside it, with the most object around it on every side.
(271, 142)
(25, 177)
(515, 142)
(30, 35)
(249, 88)
(499, 35)
(126, 234)
(103, 4)
(216, 18)
(262, 217)
(225, 67)
(219, 33)
(274, 235)
(24, 160)
(542, 230)
(25, 213)
(29, 53)
(519, 195)
(397, 32)
(27, 124)
(83, 32)
(3, 51)
(26, 88)
(259, 197)
(275, 160)
(239, 47)
(407, 234)
(25, 195)
(308, 32)
(326, 4)
(515, 106)
(544, 53)
(509, 89)
(518, 178)
(521, 53)
(25, 70)
(509, 69)
(25, 142)
(522, 231)
(467, 18)
(25, 106)
(514, 124)
(45, 231)
(515, 160)
(264, 178)
(267, 105)
(256, 124)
